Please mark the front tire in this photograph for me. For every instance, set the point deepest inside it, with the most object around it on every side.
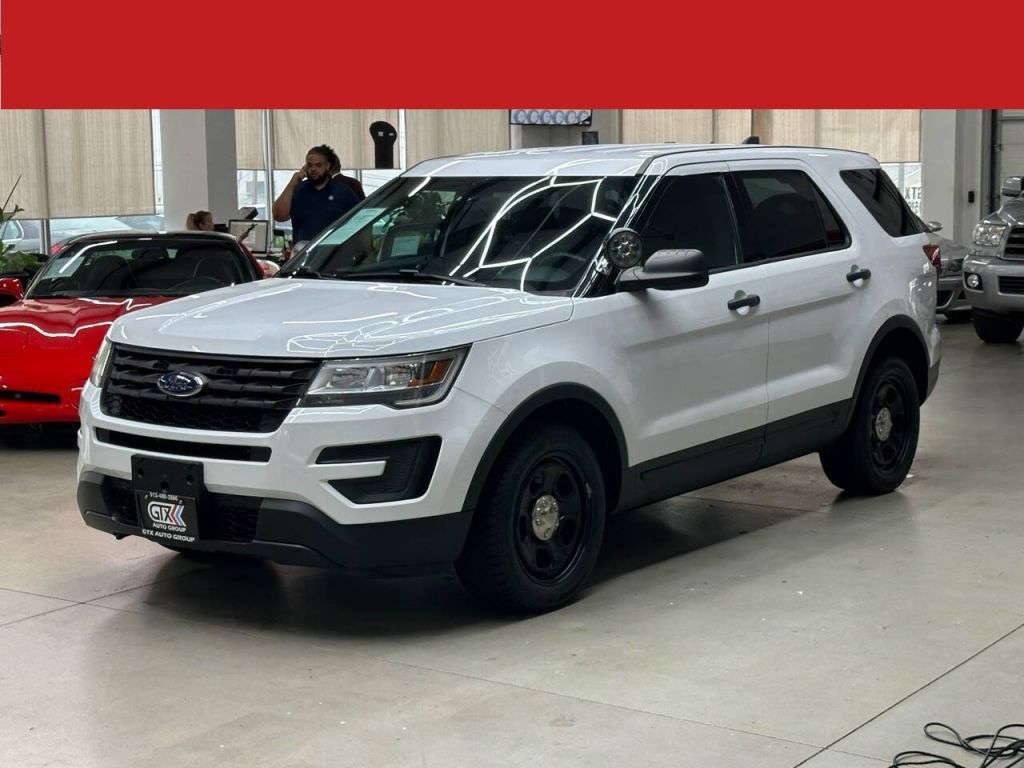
(537, 533)
(875, 452)
(996, 329)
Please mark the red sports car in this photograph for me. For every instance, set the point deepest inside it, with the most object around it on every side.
(49, 336)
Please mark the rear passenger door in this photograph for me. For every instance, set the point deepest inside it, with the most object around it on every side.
(815, 292)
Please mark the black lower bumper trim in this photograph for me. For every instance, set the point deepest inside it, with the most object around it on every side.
(933, 378)
(296, 533)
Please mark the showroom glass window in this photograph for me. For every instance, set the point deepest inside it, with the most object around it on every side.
(787, 215)
(692, 212)
(884, 202)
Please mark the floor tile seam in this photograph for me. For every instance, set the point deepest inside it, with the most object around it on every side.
(827, 750)
(262, 636)
(586, 700)
(38, 615)
(38, 594)
(914, 693)
(751, 504)
(93, 600)
(177, 619)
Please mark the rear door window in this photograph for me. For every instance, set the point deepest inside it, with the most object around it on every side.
(884, 202)
(786, 215)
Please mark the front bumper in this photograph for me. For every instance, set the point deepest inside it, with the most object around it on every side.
(950, 294)
(291, 532)
(21, 408)
(330, 486)
(292, 462)
(993, 297)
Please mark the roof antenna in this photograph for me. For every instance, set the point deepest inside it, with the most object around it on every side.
(751, 140)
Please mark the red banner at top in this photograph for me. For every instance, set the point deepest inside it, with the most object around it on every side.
(116, 53)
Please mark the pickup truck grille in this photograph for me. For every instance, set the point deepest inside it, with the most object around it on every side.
(1013, 285)
(241, 394)
(1015, 244)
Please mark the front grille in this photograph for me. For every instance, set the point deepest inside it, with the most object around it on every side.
(120, 501)
(184, 448)
(240, 394)
(222, 516)
(1015, 244)
(1011, 284)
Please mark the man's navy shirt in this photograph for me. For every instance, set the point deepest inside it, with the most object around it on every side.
(314, 209)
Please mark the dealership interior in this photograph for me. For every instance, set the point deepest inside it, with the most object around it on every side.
(769, 620)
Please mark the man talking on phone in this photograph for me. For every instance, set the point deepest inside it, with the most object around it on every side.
(313, 199)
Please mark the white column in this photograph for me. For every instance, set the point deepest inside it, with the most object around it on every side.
(198, 148)
(952, 170)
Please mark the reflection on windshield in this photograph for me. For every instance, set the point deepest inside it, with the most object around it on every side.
(532, 234)
(139, 268)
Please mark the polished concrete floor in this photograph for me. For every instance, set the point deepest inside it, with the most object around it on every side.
(761, 622)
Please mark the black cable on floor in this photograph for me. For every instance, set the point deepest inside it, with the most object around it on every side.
(992, 747)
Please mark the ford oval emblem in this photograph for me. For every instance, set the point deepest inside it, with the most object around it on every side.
(180, 384)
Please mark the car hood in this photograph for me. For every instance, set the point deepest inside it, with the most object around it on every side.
(334, 318)
(62, 323)
(1011, 212)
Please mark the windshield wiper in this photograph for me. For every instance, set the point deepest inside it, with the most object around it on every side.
(310, 273)
(406, 274)
(58, 295)
(435, 276)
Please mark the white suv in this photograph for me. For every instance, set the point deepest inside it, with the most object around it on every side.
(494, 352)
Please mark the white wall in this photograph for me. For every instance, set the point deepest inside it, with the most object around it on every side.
(952, 167)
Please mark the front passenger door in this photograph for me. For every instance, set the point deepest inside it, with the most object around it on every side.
(700, 403)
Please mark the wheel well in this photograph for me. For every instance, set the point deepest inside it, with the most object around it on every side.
(591, 422)
(904, 343)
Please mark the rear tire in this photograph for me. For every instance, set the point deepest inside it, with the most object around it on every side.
(537, 532)
(875, 452)
(996, 329)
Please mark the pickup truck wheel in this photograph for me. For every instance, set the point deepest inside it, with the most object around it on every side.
(997, 330)
(875, 452)
(536, 535)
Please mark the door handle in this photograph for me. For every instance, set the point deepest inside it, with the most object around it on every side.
(858, 274)
(750, 300)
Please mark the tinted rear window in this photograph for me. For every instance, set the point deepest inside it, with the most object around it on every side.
(883, 201)
(788, 215)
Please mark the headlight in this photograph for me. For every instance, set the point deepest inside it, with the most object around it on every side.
(99, 364)
(402, 382)
(989, 234)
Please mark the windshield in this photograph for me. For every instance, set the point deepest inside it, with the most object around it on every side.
(534, 234)
(140, 268)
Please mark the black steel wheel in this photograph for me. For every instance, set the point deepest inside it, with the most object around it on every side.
(538, 531)
(876, 451)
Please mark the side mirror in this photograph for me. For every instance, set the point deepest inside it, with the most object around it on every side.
(10, 291)
(667, 270)
(1012, 186)
(933, 226)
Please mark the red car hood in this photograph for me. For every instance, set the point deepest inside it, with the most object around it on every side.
(63, 323)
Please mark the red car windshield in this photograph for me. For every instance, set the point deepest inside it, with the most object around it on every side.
(152, 267)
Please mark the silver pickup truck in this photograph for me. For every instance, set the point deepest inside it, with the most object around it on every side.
(993, 269)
